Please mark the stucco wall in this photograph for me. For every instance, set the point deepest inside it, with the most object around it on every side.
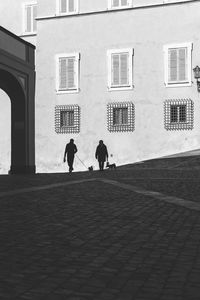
(145, 30)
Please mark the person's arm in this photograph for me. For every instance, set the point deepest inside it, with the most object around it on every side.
(96, 153)
(75, 149)
(64, 159)
(106, 154)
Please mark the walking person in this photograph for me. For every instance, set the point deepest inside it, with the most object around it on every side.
(70, 151)
(101, 154)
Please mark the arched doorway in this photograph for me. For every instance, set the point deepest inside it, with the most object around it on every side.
(17, 80)
(5, 133)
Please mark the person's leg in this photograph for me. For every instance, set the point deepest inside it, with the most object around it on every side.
(70, 161)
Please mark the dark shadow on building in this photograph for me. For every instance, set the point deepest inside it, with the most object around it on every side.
(17, 79)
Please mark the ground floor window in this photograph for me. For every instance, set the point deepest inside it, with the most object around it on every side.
(67, 119)
(179, 114)
(120, 116)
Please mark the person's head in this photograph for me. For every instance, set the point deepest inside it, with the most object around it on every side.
(71, 141)
(100, 142)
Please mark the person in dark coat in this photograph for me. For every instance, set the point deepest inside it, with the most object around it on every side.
(70, 151)
(101, 154)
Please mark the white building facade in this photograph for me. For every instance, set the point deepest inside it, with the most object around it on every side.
(117, 70)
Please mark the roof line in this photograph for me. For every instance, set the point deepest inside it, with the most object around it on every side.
(113, 10)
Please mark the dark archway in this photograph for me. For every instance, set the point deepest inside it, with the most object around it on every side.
(17, 79)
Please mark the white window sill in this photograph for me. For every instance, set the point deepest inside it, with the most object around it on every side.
(181, 84)
(31, 33)
(58, 92)
(59, 14)
(120, 88)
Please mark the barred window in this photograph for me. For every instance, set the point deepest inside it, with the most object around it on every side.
(67, 119)
(120, 116)
(178, 114)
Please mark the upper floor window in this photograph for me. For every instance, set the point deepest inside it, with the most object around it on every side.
(67, 6)
(30, 14)
(115, 4)
(120, 69)
(178, 64)
(67, 73)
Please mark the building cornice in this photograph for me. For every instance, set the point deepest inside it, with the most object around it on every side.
(107, 11)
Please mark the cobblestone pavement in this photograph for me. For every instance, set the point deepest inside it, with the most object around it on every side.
(128, 234)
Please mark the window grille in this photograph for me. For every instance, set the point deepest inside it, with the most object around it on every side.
(179, 114)
(67, 119)
(120, 116)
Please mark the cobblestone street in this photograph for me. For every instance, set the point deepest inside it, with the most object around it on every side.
(127, 234)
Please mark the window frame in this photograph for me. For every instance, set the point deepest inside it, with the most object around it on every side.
(129, 126)
(75, 55)
(129, 86)
(67, 129)
(179, 125)
(178, 83)
(58, 10)
(24, 25)
(110, 5)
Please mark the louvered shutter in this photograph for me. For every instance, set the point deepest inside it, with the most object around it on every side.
(115, 69)
(115, 3)
(28, 13)
(71, 6)
(124, 68)
(34, 17)
(172, 65)
(182, 64)
(124, 2)
(63, 6)
(71, 73)
(62, 73)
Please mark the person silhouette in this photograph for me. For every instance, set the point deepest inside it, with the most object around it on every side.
(101, 154)
(70, 150)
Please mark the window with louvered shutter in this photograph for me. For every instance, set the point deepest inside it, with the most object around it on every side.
(120, 64)
(178, 64)
(120, 3)
(67, 73)
(34, 17)
(30, 14)
(67, 6)
(63, 6)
